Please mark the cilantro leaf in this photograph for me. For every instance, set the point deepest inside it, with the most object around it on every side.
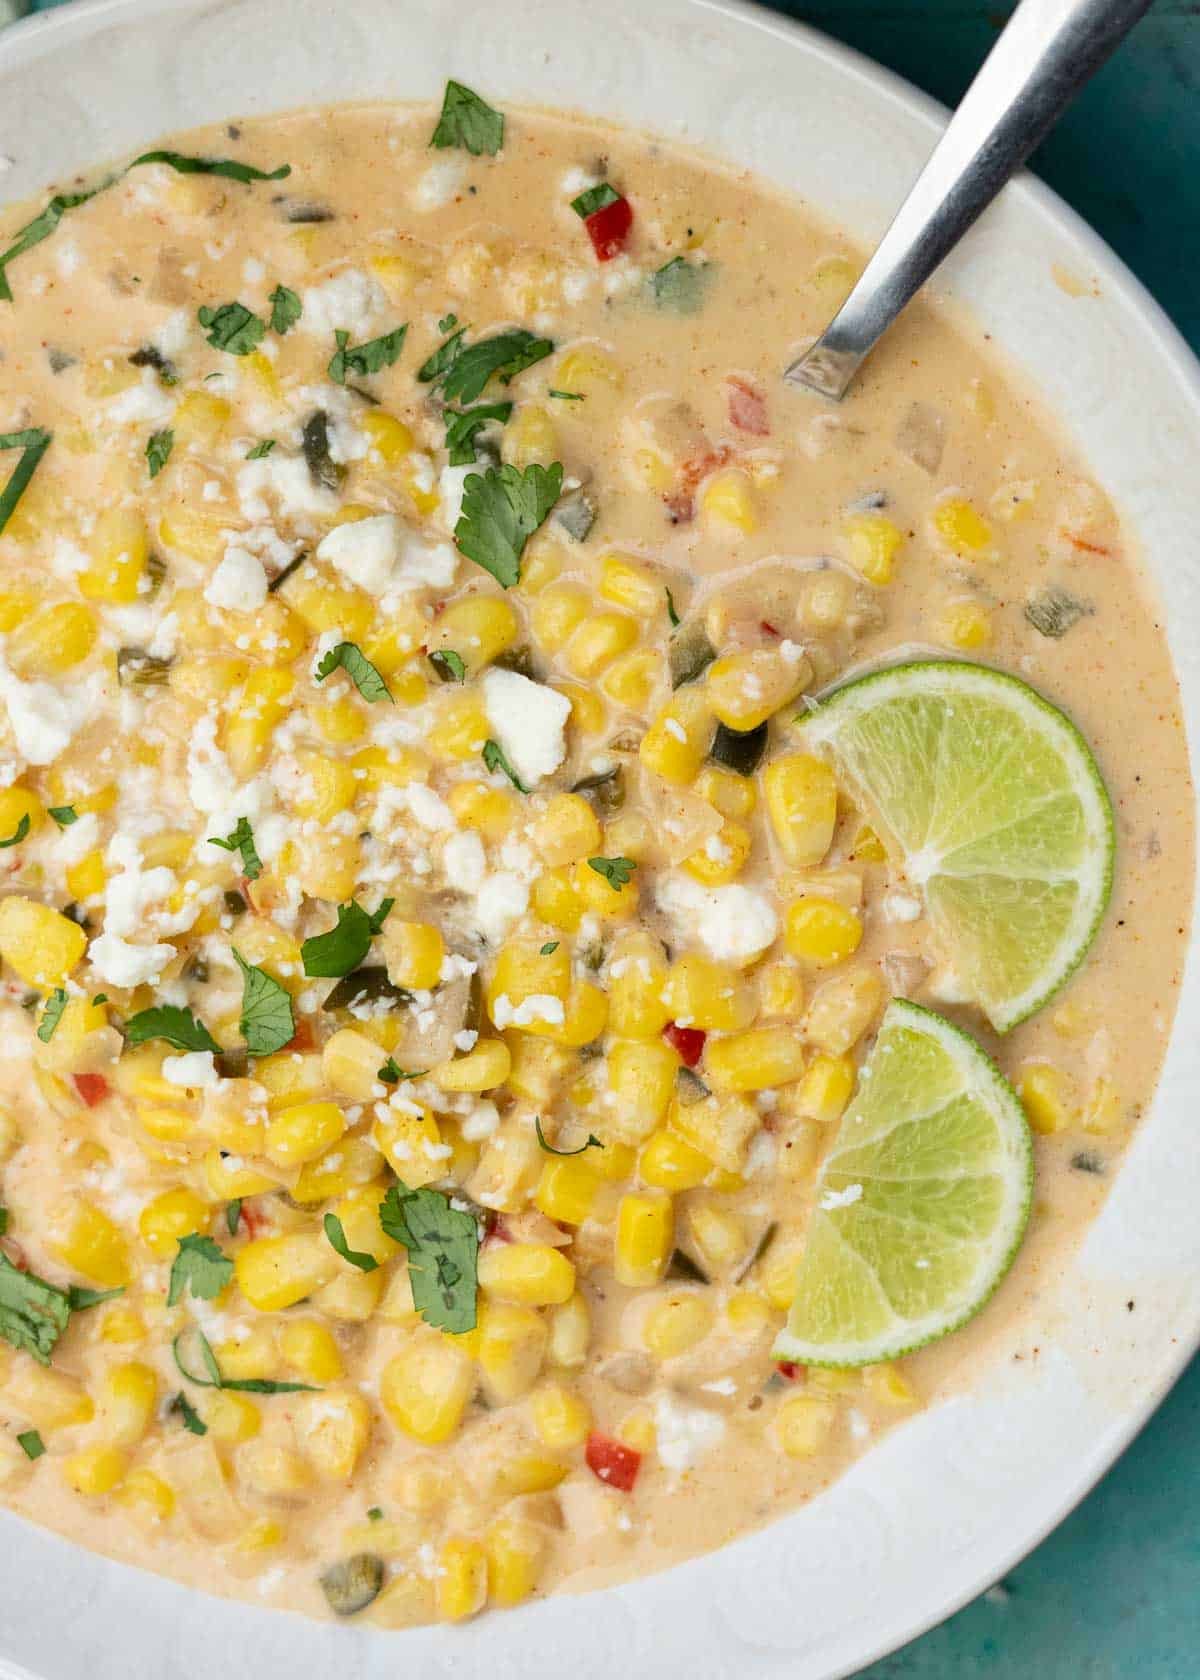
(178, 1027)
(593, 199)
(434, 366)
(31, 1443)
(593, 1142)
(468, 121)
(618, 871)
(391, 1074)
(286, 309)
(549, 950)
(228, 167)
(337, 1241)
(462, 425)
(267, 1022)
(199, 1266)
(443, 1253)
(566, 396)
(214, 1379)
(80, 1299)
(64, 815)
(342, 949)
(363, 359)
(348, 657)
(679, 286)
(233, 1216)
(14, 839)
(192, 1421)
(33, 444)
(464, 373)
(33, 1313)
(158, 450)
(501, 510)
(495, 759)
(232, 328)
(241, 840)
(448, 665)
(671, 613)
(260, 449)
(52, 1014)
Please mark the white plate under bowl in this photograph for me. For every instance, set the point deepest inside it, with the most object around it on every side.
(949, 1501)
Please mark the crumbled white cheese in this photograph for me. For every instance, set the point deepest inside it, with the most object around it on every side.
(144, 403)
(499, 902)
(194, 1069)
(528, 720)
(683, 1433)
(451, 482)
(481, 1122)
(539, 1006)
(428, 808)
(439, 184)
(365, 551)
(239, 582)
(287, 479)
(463, 862)
(125, 965)
(901, 907)
(351, 300)
(733, 923)
(45, 718)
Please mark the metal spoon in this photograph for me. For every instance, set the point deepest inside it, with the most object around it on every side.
(1048, 50)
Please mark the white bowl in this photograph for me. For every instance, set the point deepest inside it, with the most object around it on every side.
(947, 1503)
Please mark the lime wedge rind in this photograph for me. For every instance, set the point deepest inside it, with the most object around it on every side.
(862, 1295)
(904, 739)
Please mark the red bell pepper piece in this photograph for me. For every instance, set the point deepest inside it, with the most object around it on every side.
(747, 407)
(608, 228)
(688, 1041)
(92, 1087)
(612, 1461)
(788, 1369)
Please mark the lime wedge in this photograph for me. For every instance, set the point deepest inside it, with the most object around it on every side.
(994, 802)
(921, 1202)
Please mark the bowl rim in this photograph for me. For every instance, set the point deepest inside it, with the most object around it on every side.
(36, 33)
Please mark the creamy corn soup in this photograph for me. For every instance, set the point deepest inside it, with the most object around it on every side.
(433, 965)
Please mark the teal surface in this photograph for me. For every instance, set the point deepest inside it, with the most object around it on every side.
(1112, 1595)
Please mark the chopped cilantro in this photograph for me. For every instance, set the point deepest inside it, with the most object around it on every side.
(337, 1241)
(199, 1266)
(495, 759)
(32, 443)
(232, 328)
(286, 309)
(346, 656)
(595, 198)
(468, 121)
(618, 871)
(364, 359)
(443, 1253)
(33, 1313)
(178, 1027)
(31, 1443)
(593, 1142)
(342, 949)
(501, 510)
(158, 450)
(64, 815)
(448, 665)
(52, 1014)
(14, 839)
(267, 1023)
(462, 425)
(241, 840)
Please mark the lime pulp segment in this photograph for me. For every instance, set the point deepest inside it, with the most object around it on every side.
(921, 1203)
(999, 811)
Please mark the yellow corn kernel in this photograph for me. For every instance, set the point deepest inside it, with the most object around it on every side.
(723, 855)
(413, 1145)
(332, 1429)
(339, 720)
(49, 1399)
(478, 628)
(118, 550)
(95, 1470)
(732, 795)
(275, 1472)
(122, 1325)
(200, 536)
(390, 439)
(524, 970)
(887, 1385)
(644, 1239)
(325, 787)
(462, 1576)
(492, 811)
(460, 728)
(350, 1063)
(199, 419)
(757, 1060)
(669, 1162)
(570, 1332)
(633, 680)
(584, 1019)
(803, 1425)
(52, 641)
(326, 605)
(1049, 1096)
(554, 900)
(533, 1274)
(127, 1395)
(380, 767)
(253, 1355)
(709, 995)
(480, 1069)
(511, 1348)
(349, 1164)
(780, 989)
(262, 1535)
(560, 1416)
(728, 497)
(961, 528)
(414, 952)
(301, 1133)
(637, 1430)
(86, 878)
(719, 1127)
(353, 1297)
(288, 1076)
(719, 1234)
(627, 583)
(531, 437)
(230, 1417)
(567, 830)
(567, 1189)
(74, 1046)
(747, 1314)
(84, 1238)
(588, 371)
(541, 563)
(641, 1079)
(558, 611)
(675, 1325)
(37, 943)
(1104, 1111)
(745, 689)
(965, 624)
(597, 892)
(588, 712)
(598, 641)
(147, 1495)
(426, 1388)
(276, 1272)
(16, 604)
(176, 1213)
(515, 1550)
(677, 742)
(311, 1348)
(637, 974)
(260, 709)
(868, 847)
(801, 796)
(873, 542)
(825, 1089)
(843, 1009)
(822, 932)
(17, 806)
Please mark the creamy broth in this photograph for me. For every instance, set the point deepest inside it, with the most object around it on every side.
(157, 692)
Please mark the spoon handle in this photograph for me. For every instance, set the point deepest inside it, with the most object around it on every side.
(1048, 50)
